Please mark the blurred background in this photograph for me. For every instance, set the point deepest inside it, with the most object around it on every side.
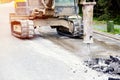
(5, 1)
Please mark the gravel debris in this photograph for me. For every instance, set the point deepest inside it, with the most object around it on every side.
(109, 65)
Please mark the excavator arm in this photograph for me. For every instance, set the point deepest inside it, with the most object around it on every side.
(50, 4)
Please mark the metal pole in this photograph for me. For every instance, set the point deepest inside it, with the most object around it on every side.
(87, 8)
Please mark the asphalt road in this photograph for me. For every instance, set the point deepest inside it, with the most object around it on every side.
(36, 59)
(48, 56)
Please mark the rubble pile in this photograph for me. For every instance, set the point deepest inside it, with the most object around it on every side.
(109, 65)
(113, 79)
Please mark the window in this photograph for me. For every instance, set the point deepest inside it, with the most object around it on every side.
(64, 2)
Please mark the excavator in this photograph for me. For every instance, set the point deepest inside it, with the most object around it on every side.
(62, 15)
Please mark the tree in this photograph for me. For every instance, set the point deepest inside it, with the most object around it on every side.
(107, 9)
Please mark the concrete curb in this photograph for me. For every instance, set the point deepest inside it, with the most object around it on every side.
(108, 35)
(108, 40)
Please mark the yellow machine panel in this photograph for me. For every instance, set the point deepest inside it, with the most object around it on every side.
(20, 0)
(17, 2)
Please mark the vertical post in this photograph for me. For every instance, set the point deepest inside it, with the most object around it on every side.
(87, 8)
(110, 26)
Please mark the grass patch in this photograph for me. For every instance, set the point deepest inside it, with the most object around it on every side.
(104, 24)
(98, 22)
(116, 31)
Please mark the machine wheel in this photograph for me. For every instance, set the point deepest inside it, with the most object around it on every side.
(71, 31)
(22, 29)
(16, 28)
(63, 31)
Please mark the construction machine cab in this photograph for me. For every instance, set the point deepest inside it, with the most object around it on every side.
(61, 7)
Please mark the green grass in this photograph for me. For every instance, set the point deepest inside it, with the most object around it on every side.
(96, 22)
(99, 22)
(116, 31)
